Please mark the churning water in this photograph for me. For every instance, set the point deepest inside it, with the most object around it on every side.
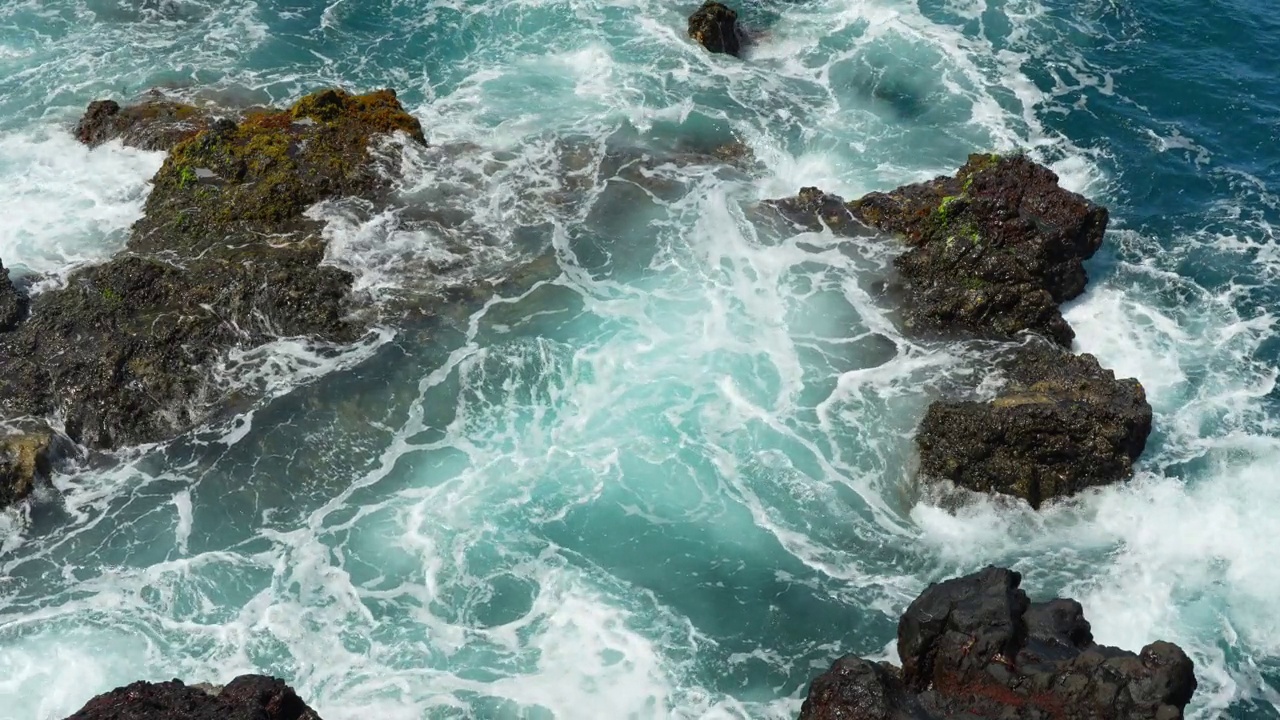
(672, 478)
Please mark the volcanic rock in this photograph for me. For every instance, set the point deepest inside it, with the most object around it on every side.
(1062, 424)
(976, 647)
(223, 258)
(156, 123)
(13, 302)
(248, 697)
(714, 26)
(992, 251)
(27, 455)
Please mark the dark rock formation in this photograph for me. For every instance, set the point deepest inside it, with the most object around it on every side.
(156, 123)
(976, 647)
(1061, 425)
(992, 250)
(13, 302)
(26, 457)
(715, 27)
(223, 258)
(813, 210)
(248, 697)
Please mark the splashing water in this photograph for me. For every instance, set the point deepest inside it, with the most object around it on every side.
(671, 477)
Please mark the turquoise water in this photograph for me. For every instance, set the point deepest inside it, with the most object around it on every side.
(674, 480)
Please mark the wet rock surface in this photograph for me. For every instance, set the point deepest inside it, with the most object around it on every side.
(812, 210)
(27, 454)
(991, 254)
(223, 258)
(13, 302)
(156, 123)
(1062, 424)
(248, 697)
(992, 250)
(977, 647)
(715, 27)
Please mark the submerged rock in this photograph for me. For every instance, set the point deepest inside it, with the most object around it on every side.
(977, 647)
(156, 123)
(715, 27)
(248, 697)
(13, 302)
(1061, 425)
(992, 251)
(223, 258)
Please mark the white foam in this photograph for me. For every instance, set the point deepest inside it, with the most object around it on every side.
(65, 204)
(274, 368)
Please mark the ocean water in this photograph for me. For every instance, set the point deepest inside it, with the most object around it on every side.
(673, 478)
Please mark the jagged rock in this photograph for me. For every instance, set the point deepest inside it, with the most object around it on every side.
(976, 647)
(223, 258)
(992, 251)
(1061, 425)
(156, 123)
(261, 175)
(813, 210)
(248, 697)
(26, 457)
(13, 302)
(714, 26)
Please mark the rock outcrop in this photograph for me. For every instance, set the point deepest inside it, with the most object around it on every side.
(26, 457)
(224, 257)
(13, 302)
(248, 697)
(992, 251)
(976, 647)
(1062, 424)
(715, 27)
(156, 123)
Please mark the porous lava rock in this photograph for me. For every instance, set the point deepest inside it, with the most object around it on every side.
(1060, 425)
(13, 302)
(157, 122)
(992, 250)
(27, 455)
(248, 697)
(224, 257)
(715, 27)
(976, 647)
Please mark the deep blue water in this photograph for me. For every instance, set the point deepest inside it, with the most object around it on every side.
(675, 480)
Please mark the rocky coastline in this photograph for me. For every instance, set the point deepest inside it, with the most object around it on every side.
(971, 647)
(247, 697)
(991, 253)
(223, 257)
(226, 258)
(977, 647)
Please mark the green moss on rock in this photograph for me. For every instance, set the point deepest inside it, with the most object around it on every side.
(224, 257)
(263, 173)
